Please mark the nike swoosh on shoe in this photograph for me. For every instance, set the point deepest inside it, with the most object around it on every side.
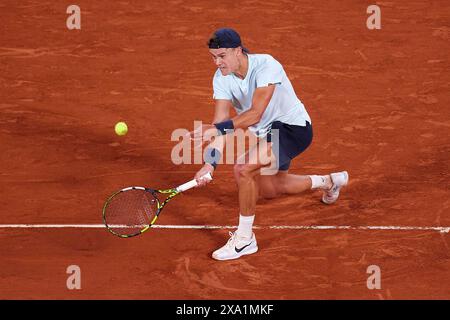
(239, 250)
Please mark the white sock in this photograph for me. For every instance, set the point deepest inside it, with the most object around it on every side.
(245, 226)
(318, 181)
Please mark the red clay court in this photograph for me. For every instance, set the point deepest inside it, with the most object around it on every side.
(378, 99)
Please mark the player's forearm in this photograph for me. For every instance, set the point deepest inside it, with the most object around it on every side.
(246, 119)
(243, 121)
(260, 101)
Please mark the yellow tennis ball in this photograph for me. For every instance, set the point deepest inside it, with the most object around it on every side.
(121, 128)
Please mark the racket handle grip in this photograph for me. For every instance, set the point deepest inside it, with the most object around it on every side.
(193, 183)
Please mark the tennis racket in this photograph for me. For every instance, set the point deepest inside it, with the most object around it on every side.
(133, 210)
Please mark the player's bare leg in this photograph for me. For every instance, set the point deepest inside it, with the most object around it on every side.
(284, 183)
(243, 241)
(252, 184)
(248, 174)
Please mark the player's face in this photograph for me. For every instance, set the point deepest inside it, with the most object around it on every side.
(225, 59)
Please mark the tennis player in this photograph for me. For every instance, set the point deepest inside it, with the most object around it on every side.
(257, 87)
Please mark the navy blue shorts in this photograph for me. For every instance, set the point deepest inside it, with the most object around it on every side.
(293, 140)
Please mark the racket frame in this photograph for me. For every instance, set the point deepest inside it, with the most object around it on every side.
(159, 206)
(171, 193)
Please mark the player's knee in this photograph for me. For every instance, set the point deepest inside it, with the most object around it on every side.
(242, 171)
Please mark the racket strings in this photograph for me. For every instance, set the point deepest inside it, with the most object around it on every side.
(129, 212)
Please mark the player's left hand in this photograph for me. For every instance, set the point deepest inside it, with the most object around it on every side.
(207, 168)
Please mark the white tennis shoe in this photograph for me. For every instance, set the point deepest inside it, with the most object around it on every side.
(339, 179)
(236, 247)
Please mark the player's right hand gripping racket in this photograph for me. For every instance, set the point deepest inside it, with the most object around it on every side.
(133, 210)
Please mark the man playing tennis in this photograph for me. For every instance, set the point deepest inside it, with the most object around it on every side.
(257, 87)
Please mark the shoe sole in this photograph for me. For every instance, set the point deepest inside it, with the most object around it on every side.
(238, 255)
(338, 191)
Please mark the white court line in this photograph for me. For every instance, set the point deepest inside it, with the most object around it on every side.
(101, 226)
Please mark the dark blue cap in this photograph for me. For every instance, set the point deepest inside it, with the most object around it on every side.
(225, 38)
